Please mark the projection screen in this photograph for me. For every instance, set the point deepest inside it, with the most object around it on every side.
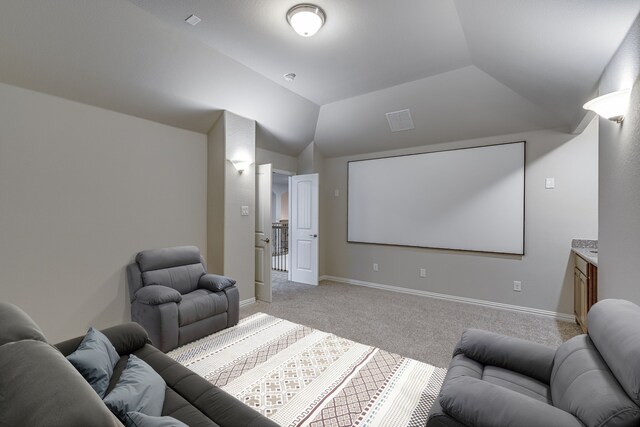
(468, 199)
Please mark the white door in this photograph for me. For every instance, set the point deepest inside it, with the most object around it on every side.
(303, 191)
(263, 233)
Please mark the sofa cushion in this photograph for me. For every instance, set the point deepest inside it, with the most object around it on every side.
(200, 304)
(613, 328)
(17, 325)
(39, 387)
(583, 385)
(183, 279)
(517, 382)
(139, 389)
(95, 358)
(138, 419)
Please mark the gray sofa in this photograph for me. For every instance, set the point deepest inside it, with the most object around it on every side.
(590, 380)
(39, 387)
(174, 298)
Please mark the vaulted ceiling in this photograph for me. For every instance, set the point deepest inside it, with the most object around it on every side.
(465, 68)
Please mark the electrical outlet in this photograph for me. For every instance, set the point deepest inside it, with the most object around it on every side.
(336, 193)
(375, 266)
(423, 272)
(517, 285)
(244, 211)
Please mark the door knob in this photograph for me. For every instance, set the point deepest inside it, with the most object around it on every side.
(267, 240)
(313, 235)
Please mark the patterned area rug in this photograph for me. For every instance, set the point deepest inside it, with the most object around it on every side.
(299, 376)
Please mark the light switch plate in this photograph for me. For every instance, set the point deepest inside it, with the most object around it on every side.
(550, 183)
(245, 211)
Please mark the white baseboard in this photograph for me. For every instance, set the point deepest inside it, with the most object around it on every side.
(247, 302)
(483, 303)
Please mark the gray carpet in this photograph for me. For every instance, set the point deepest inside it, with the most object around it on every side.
(421, 328)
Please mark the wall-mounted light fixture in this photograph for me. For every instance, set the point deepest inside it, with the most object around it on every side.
(241, 165)
(612, 106)
(306, 19)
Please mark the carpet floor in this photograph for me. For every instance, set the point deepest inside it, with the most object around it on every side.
(421, 328)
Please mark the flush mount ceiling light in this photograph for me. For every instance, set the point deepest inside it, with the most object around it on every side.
(612, 106)
(306, 19)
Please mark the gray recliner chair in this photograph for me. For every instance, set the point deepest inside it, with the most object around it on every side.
(174, 298)
(590, 380)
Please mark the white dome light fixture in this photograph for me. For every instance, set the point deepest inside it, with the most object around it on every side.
(306, 19)
(612, 106)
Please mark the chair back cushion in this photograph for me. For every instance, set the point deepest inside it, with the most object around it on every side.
(583, 385)
(178, 267)
(614, 328)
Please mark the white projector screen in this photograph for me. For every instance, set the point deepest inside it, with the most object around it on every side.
(469, 199)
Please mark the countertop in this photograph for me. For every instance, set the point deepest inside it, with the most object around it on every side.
(589, 254)
(587, 249)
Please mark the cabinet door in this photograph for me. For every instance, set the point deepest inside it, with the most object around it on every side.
(580, 301)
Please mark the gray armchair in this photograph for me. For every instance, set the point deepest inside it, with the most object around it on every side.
(174, 298)
(590, 380)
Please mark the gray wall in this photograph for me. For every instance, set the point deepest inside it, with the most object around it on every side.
(231, 235)
(82, 190)
(619, 245)
(553, 218)
(278, 161)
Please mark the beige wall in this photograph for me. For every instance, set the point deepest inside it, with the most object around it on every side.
(619, 245)
(231, 234)
(553, 218)
(278, 161)
(82, 190)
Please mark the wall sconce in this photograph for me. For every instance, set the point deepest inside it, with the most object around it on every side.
(612, 106)
(241, 165)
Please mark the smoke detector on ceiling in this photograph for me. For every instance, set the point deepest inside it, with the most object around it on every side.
(193, 20)
(400, 120)
(290, 77)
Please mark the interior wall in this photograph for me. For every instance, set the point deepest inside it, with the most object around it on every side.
(619, 243)
(278, 161)
(553, 218)
(216, 165)
(240, 190)
(82, 190)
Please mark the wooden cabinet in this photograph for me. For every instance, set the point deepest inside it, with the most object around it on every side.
(585, 290)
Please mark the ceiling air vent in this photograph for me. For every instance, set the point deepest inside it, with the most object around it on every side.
(400, 120)
(193, 20)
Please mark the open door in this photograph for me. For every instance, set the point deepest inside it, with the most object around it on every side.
(303, 190)
(263, 233)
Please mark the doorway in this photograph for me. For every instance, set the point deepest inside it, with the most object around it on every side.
(280, 259)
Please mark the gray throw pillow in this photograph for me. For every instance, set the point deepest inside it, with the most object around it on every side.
(139, 389)
(95, 359)
(138, 419)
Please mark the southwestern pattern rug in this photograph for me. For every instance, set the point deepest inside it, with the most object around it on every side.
(299, 376)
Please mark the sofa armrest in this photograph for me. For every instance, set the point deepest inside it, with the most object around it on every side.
(38, 387)
(215, 283)
(478, 403)
(126, 338)
(157, 294)
(525, 357)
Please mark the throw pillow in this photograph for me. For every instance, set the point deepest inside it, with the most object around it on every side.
(138, 419)
(95, 359)
(139, 389)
